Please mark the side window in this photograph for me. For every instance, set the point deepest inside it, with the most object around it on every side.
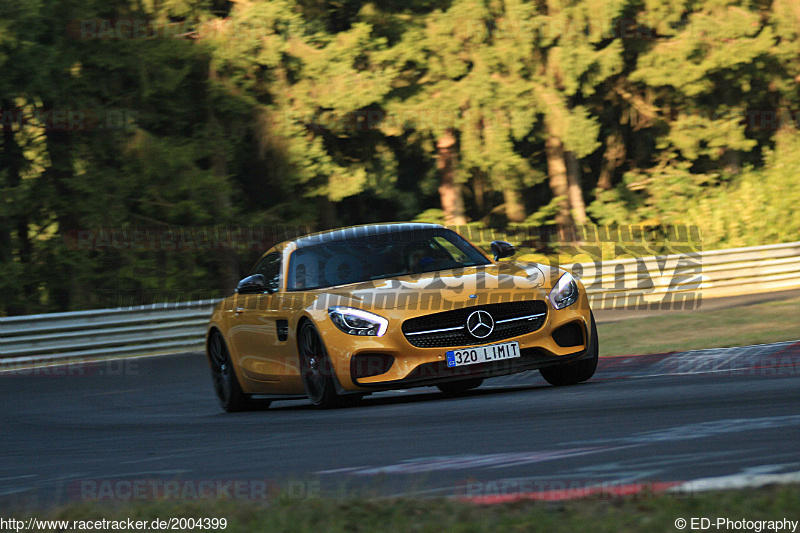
(270, 268)
(452, 249)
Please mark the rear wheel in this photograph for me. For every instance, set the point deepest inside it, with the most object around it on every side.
(317, 370)
(460, 387)
(572, 373)
(231, 396)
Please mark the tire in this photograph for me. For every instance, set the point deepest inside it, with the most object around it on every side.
(229, 392)
(317, 370)
(460, 387)
(576, 372)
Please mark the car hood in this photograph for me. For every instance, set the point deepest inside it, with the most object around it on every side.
(480, 284)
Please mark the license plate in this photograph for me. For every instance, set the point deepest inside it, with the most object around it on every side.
(483, 354)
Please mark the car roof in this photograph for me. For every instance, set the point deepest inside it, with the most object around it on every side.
(366, 230)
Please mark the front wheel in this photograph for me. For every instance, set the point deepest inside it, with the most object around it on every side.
(572, 373)
(317, 370)
(231, 396)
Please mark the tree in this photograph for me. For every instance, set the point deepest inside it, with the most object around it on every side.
(317, 93)
(100, 140)
(578, 51)
(710, 68)
(471, 93)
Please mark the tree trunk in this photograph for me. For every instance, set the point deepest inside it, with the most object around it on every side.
(229, 263)
(574, 190)
(614, 157)
(449, 190)
(479, 190)
(11, 159)
(327, 213)
(515, 207)
(731, 161)
(557, 171)
(229, 271)
(68, 291)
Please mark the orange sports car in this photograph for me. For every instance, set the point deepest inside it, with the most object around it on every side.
(336, 315)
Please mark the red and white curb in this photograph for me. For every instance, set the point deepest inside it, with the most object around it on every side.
(641, 489)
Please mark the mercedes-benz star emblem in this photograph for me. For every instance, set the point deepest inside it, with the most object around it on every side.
(480, 324)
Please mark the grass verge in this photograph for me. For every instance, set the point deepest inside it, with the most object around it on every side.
(691, 330)
(618, 515)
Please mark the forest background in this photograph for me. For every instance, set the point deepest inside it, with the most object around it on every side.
(151, 150)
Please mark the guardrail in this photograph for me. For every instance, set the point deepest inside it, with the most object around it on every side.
(671, 279)
(180, 327)
(141, 330)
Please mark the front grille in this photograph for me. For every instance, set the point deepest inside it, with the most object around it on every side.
(511, 320)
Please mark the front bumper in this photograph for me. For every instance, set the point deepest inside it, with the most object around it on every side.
(416, 367)
(428, 374)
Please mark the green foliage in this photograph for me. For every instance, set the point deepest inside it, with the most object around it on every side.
(753, 208)
(328, 113)
(431, 216)
(546, 214)
(695, 135)
(759, 206)
(717, 39)
(580, 135)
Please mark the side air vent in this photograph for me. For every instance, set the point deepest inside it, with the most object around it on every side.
(569, 335)
(282, 329)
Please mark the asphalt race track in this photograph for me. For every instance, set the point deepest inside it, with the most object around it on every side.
(656, 419)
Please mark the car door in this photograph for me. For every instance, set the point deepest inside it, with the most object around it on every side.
(260, 327)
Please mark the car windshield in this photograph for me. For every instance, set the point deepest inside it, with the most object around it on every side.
(354, 259)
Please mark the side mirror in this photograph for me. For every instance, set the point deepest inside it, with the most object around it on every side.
(252, 284)
(502, 249)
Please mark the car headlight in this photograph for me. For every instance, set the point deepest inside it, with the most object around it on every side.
(565, 293)
(357, 321)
